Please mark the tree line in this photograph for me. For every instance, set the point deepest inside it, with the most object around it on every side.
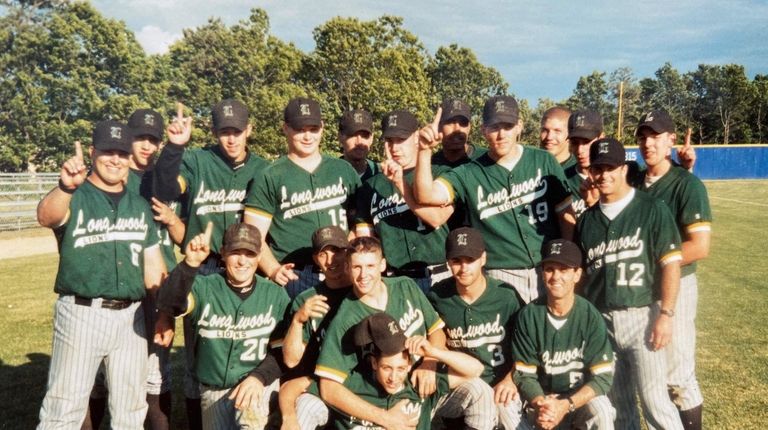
(64, 66)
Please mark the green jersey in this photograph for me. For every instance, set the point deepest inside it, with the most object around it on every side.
(482, 329)
(313, 331)
(141, 184)
(404, 237)
(406, 304)
(216, 190)
(516, 211)
(561, 354)
(623, 256)
(233, 334)
(569, 162)
(299, 202)
(688, 201)
(371, 169)
(574, 179)
(102, 244)
(367, 388)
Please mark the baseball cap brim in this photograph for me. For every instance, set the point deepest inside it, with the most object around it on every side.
(584, 134)
(147, 131)
(399, 133)
(241, 244)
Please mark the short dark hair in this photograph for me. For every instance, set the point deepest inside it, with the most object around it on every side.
(365, 244)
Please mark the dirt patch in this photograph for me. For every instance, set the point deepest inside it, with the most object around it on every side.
(26, 243)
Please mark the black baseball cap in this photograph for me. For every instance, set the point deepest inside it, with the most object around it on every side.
(331, 235)
(301, 112)
(242, 236)
(355, 120)
(500, 109)
(561, 251)
(464, 242)
(607, 151)
(453, 108)
(586, 124)
(229, 113)
(112, 135)
(399, 123)
(146, 122)
(382, 331)
(657, 120)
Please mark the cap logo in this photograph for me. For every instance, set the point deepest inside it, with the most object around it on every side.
(461, 239)
(499, 106)
(227, 109)
(242, 234)
(392, 121)
(149, 119)
(555, 249)
(304, 109)
(603, 149)
(649, 117)
(115, 132)
(392, 327)
(580, 120)
(358, 118)
(456, 105)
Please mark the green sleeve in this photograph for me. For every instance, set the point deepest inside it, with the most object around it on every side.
(261, 197)
(188, 167)
(453, 178)
(283, 306)
(598, 354)
(560, 189)
(667, 237)
(431, 318)
(526, 358)
(337, 354)
(695, 203)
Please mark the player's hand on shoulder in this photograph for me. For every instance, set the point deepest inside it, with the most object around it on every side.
(247, 393)
(424, 378)
(505, 391)
(164, 329)
(199, 247)
(73, 171)
(283, 275)
(179, 131)
(429, 135)
(315, 307)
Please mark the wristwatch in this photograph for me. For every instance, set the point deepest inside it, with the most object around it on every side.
(571, 406)
(668, 312)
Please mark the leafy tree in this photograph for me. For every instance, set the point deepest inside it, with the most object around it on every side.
(592, 92)
(722, 102)
(760, 105)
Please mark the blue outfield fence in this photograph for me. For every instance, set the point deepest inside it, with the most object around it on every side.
(724, 161)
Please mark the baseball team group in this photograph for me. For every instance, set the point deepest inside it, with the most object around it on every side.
(451, 285)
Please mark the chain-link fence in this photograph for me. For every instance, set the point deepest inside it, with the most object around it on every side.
(19, 195)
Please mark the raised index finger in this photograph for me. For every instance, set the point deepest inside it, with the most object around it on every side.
(387, 151)
(179, 111)
(687, 138)
(208, 232)
(436, 121)
(78, 150)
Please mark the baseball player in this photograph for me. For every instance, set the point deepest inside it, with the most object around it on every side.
(563, 358)
(411, 234)
(146, 127)
(109, 257)
(385, 385)
(455, 125)
(214, 182)
(632, 255)
(356, 138)
(516, 196)
(399, 297)
(584, 127)
(553, 135)
(297, 194)
(479, 314)
(237, 317)
(687, 198)
(312, 311)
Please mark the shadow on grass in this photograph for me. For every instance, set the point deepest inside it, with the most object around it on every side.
(22, 389)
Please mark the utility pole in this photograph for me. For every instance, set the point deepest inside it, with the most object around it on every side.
(621, 111)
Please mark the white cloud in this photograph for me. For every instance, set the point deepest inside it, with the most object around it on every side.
(155, 40)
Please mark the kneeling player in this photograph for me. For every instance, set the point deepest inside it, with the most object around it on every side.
(385, 384)
(564, 362)
(236, 315)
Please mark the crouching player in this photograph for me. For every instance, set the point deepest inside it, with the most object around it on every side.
(564, 359)
(385, 383)
(238, 319)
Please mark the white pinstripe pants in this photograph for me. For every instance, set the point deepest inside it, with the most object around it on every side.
(83, 337)
(474, 401)
(219, 412)
(681, 352)
(311, 412)
(527, 282)
(639, 368)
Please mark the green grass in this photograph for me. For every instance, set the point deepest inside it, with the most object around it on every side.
(732, 339)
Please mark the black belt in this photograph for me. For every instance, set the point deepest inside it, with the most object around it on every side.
(420, 272)
(105, 303)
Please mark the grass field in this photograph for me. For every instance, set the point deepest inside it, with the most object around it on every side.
(732, 339)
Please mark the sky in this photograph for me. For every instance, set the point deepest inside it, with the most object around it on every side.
(540, 47)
